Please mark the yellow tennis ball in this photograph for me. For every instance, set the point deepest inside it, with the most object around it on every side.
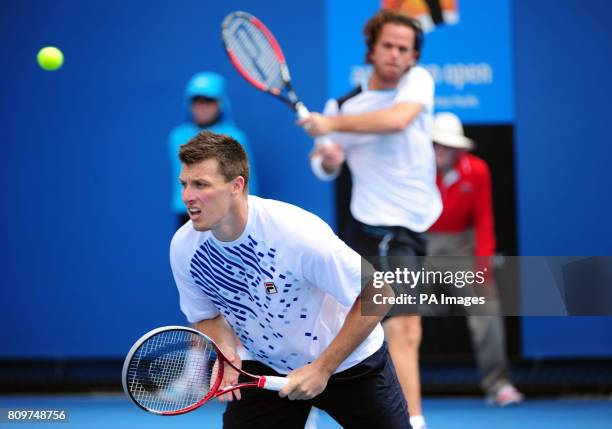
(50, 58)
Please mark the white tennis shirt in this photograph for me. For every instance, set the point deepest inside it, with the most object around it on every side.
(285, 285)
(394, 174)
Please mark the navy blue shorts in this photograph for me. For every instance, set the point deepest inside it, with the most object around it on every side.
(367, 395)
(405, 247)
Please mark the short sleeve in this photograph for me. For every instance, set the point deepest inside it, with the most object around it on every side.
(417, 87)
(333, 266)
(194, 303)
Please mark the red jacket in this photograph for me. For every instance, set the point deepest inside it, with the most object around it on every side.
(467, 202)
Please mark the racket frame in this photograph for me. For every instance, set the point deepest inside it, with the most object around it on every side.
(292, 100)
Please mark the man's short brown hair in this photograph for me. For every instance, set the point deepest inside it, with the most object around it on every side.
(375, 24)
(230, 154)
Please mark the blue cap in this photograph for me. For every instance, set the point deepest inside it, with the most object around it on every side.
(206, 84)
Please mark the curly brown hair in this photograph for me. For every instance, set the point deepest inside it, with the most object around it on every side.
(230, 154)
(375, 24)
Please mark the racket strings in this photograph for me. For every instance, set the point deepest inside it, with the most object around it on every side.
(171, 371)
(254, 52)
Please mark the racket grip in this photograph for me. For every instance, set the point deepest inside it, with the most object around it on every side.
(301, 110)
(303, 113)
(275, 383)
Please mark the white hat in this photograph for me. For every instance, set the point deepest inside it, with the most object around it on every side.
(448, 131)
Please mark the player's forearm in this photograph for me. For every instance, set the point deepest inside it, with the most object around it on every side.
(220, 332)
(383, 121)
(355, 330)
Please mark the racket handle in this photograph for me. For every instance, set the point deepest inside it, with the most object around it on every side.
(301, 110)
(274, 383)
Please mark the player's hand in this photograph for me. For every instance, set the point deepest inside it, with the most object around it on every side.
(316, 124)
(305, 382)
(230, 375)
(332, 155)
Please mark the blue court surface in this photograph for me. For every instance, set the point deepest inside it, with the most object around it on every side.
(116, 412)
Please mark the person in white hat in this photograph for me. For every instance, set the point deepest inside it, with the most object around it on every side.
(466, 228)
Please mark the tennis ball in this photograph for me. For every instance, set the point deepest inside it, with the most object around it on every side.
(50, 58)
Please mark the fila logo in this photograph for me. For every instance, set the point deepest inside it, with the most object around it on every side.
(270, 288)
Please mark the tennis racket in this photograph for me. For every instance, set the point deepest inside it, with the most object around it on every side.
(258, 57)
(174, 369)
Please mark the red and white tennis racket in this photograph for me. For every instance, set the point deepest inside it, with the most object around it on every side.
(258, 57)
(174, 369)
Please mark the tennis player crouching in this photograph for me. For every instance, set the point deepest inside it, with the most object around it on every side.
(278, 278)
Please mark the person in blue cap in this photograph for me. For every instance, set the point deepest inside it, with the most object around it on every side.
(207, 107)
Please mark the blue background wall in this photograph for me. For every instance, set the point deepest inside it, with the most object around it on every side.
(86, 179)
(562, 153)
